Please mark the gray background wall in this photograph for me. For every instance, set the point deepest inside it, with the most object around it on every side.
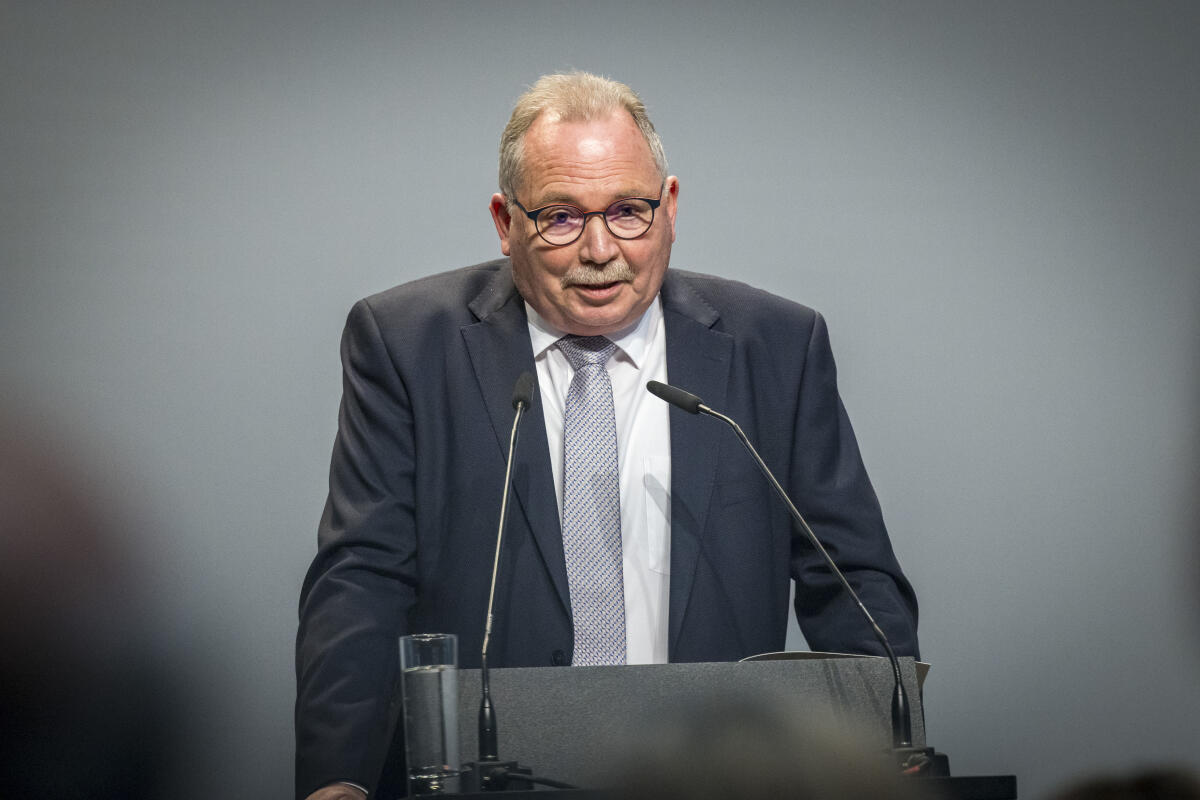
(994, 204)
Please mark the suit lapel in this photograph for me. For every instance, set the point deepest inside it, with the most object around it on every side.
(698, 360)
(500, 351)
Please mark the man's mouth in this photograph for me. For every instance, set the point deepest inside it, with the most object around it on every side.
(598, 291)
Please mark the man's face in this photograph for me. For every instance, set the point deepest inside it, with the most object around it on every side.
(598, 284)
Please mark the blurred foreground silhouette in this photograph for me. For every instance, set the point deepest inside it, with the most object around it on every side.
(84, 708)
(730, 747)
(1149, 784)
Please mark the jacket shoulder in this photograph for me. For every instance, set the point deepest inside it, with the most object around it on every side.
(445, 292)
(735, 306)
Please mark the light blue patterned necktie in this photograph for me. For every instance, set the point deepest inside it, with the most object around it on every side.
(592, 505)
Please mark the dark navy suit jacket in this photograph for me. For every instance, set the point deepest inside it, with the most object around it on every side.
(408, 533)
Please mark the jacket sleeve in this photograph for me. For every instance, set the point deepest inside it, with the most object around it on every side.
(835, 495)
(362, 583)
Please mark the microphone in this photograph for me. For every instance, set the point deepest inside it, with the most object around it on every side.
(523, 392)
(489, 773)
(675, 396)
(912, 759)
(521, 399)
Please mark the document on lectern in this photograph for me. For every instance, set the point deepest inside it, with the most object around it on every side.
(808, 655)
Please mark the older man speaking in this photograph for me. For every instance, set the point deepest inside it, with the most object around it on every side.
(639, 534)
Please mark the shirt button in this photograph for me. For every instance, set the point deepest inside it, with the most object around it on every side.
(558, 658)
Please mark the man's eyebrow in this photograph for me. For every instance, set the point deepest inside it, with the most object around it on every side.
(555, 199)
(559, 198)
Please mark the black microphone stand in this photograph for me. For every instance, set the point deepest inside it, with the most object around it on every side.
(909, 759)
(489, 773)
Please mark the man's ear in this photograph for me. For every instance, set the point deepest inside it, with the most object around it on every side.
(671, 201)
(503, 220)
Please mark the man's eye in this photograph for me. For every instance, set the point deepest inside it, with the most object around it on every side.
(557, 217)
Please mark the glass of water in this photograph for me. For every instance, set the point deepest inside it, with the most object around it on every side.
(429, 678)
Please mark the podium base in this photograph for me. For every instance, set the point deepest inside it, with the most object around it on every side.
(494, 776)
(921, 762)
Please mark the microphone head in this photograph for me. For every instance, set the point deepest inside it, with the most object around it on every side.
(675, 396)
(523, 391)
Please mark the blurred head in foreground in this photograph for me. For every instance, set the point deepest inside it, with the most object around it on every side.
(1151, 784)
(82, 713)
(723, 748)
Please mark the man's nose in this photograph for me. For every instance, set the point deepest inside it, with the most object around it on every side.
(597, 244)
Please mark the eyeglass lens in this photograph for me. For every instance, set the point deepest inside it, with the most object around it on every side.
(626, 219)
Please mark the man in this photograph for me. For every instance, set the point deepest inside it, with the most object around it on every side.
(638, 533)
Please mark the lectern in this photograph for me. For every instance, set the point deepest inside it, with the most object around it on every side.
(567, 722)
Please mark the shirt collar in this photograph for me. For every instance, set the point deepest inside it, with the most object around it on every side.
(634, 341)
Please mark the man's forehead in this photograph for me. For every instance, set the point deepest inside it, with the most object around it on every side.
(566, 159)
(594, 137)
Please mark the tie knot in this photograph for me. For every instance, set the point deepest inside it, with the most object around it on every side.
(584, 350)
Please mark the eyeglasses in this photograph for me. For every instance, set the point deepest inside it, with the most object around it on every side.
(562, 224)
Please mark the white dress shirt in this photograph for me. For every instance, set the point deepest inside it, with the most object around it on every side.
(643, 458)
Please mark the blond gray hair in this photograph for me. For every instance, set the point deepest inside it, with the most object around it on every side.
(570, 97)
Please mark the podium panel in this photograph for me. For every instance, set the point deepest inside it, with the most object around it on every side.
(573, 723)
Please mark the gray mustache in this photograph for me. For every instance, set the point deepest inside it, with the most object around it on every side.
(590, 276)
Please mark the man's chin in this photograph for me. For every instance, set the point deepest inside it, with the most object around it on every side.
(601, 321)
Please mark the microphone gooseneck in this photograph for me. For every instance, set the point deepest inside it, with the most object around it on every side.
(521, 400)
(901, 713)
(489, 773)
